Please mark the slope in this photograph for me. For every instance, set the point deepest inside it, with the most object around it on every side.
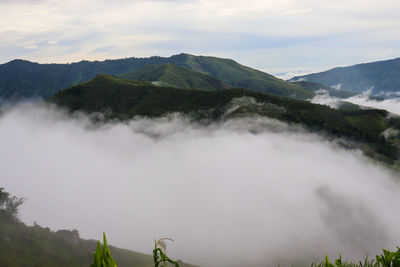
(380, 76)
(175, 76)
(232, 73)
(124, 99)
(22, 245)
(24, 79)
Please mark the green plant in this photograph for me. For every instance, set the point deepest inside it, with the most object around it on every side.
(338, 262)
(159, 253)
(389, 259)
(102, 257)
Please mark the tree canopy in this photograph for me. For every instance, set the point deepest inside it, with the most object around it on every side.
(9, 205)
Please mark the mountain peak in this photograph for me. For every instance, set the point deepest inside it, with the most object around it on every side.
(19, 62)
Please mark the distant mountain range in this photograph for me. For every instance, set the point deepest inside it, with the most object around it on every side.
(124, 99)
(380, 76)
(204, 88)
(24, 79)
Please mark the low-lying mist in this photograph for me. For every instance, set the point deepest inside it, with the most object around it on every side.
(245, 192)
(390, 104)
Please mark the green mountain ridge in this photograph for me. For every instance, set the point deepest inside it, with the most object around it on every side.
(124, 99)
(24, 79)
(241, 76)
(380, 76)
(176, 76)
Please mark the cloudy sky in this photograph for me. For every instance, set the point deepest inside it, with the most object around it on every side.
(275, 36)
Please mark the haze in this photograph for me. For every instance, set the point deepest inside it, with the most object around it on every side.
(390, 104)
(240, 193)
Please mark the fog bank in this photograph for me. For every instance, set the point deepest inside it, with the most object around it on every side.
(248, 192)
(390, 104)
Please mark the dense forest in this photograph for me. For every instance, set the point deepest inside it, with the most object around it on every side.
(124, 99)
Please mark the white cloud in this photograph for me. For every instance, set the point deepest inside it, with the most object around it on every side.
(390, 104)
(311, 34)
(52, 42)
(243, 192)
(33, 47)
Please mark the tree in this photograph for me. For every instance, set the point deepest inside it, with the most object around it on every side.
(9, 205)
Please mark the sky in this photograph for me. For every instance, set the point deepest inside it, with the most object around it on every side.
(282, 37)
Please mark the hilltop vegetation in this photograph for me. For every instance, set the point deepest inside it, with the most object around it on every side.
(380, 76)
(124, 99)
(232, 73)
(24, 79)
(175, 76)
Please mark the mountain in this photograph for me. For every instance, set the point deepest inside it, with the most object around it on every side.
(380, 76)
(232, 73)
(23, 79)
(176, 76)
(124, 99)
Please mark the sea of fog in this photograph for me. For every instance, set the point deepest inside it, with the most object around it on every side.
(245, 192)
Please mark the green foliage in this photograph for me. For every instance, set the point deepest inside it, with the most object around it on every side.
(32, 246)
(102, 257)
(9, 205)
(234, 74)
(125, 99)
(24, 79)
(176, 76)
(160, 257)
(387, 259)
(338, 261)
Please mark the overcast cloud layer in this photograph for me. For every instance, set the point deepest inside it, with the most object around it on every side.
(276, 36)
(250, 192)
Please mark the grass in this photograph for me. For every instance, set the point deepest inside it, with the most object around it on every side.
(387, 259)
(237, 75)
(103, 258)
(176, 76)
